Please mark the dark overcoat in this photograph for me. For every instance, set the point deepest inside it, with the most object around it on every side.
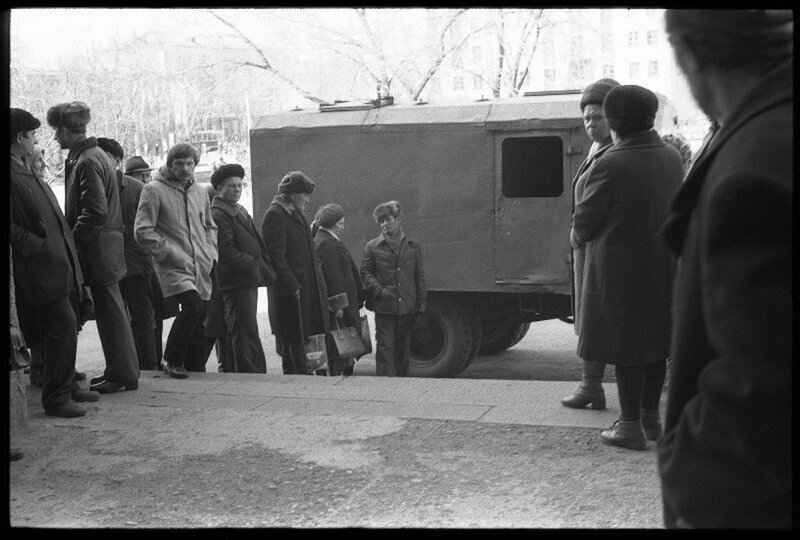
(46, 266)
(93, 210)
(624, 315)
(243, 259)
(287, 235)
(137, 260)
(726, 453)
(578, 255)
(341, 275)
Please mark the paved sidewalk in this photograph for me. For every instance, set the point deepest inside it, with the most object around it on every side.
(243, 450)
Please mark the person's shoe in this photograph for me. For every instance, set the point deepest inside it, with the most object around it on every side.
(14, 454)
(625, 433)
(37, 377)
(80, 376)
(96, 380)
(651, 422)
(585, 395)
(70, 409)
(85, 395)
(108, 387)
(175, 371)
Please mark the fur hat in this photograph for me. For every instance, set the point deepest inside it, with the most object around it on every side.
(630, 108)
(596, 92)
(328, 215)
(226, 171)
(391, 208)
(136, 164)
(74, 116)
(22, 121)
(296, 182)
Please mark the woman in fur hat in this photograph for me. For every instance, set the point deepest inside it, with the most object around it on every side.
(342, 280)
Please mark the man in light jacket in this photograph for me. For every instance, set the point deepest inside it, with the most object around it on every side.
(174, 224)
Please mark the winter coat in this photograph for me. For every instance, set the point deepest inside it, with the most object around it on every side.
(290, 247)
(624, 311)
(725, 457)
(394, 282)
(341, 275)
(46, 266)
(137, 260)
(174, 224)
(578, 255)
(243, 259)
(92, 208)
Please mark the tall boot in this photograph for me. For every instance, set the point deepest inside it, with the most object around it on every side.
(625, 433)
(590, 391)
(651, 422)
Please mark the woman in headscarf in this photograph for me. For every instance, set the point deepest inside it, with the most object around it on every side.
(590, 391)
(342, 279)
(627, 280)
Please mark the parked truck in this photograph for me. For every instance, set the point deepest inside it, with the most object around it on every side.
(484, 186)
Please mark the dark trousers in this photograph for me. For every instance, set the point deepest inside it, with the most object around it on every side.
(292, 357)
(243, 341)
(393, 344)
(58, 334)
(122, 364)
(639, 387)
(187, 344)
(137, 291)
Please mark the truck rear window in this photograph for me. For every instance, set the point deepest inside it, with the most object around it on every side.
(533, 167)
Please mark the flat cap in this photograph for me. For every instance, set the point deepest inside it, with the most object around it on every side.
(136, 164)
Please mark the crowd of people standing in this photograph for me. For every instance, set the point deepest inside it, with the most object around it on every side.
(673, 258)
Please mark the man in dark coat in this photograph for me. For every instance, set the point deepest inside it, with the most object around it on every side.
(47, 273)
(94, 213)
(725, 458)
(627, 283)
(394, 283)
(341, 278)
(243, 267)
(136, 287)
(290, 247)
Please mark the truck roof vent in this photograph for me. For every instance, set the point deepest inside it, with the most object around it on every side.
(552, 93)
(341, 105)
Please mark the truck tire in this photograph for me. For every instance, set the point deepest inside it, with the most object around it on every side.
(443, 340)
(500, 338)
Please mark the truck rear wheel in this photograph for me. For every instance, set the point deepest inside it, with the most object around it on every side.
(444, 339)
(498, 338)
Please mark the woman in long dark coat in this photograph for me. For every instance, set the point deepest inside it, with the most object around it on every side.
(290, 247)
(341, 277)
(628, 273)
(243, 268)
(590, 391)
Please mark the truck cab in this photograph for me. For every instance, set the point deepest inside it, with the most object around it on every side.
(485, 188)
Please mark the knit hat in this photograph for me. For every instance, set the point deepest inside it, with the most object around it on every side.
(136, 164)
(630, 108)
(296, 182)
(391, 208)
(329, 215)
(22, 121)
(226, 171)
(596, 92)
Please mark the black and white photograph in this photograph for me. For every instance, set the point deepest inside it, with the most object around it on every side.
(431, 268)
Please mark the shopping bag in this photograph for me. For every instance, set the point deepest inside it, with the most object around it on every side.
(366, 339)
(347, 341)
(315, 352)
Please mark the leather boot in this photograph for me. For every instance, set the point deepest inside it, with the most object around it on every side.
(651, 422)
(590, 391)
(625, 433)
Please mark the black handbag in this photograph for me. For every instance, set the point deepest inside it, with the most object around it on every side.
(347, 341)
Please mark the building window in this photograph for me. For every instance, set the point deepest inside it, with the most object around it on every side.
(633, 70)
(652, 36)
(550, 75)
(652, 69)
(458, 83)
(608, 71)
(579, 69)
(633, 39)
(532, 167)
